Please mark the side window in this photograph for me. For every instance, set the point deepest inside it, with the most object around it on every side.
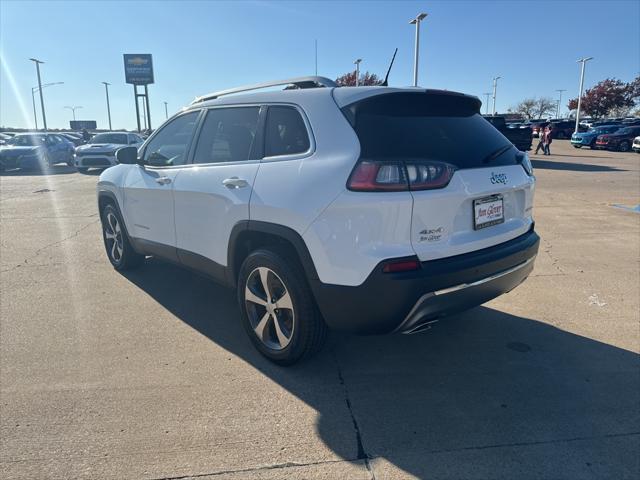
(286, 133)
(227, 135)
(169, 146)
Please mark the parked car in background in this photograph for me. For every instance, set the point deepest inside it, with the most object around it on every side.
(588, 138)
(636, 145)
(520, 137)
(35, 150)
(100, 151)
(77, 141)
(620, 140)
(563, 128)
(4, 138)
(631, 122)
(599, 123)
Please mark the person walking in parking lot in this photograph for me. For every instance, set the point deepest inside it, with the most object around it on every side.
(548, 135)
(540, 140)
(85, 135)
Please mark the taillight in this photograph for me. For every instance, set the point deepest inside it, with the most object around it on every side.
(397, 176)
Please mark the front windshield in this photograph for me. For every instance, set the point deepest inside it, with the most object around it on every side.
(26, 140)
(119, 138)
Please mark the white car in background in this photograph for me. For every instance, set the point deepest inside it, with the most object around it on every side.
(636, 145)
(100, 151)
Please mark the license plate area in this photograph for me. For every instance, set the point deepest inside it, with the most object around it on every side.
(488, 211)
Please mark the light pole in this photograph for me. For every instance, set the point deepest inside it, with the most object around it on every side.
(583, 61)
(106, 89)
(495, 87)
(357, 63)
(166, 114)
(560, 90)
(416, 21)
(73, 109)
(487, 94)
(44, 117)
(33, 99)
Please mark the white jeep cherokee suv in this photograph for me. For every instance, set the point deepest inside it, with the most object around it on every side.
(368, 209)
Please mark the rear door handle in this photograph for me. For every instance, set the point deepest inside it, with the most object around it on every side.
(163, 180)
(235, 182)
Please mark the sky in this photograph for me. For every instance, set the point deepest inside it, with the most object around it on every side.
(204, 46)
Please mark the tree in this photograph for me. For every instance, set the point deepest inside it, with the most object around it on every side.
(536, 107)
(349, 79)
(544, 106)
(526, 108)
(609, 97)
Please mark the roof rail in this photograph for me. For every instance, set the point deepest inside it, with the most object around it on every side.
(299, 82)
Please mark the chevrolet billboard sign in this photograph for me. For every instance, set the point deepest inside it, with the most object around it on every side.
(138, 68)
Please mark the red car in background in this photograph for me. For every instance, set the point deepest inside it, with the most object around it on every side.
(620, 140)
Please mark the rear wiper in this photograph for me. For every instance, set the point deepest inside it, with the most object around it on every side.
(497, 153)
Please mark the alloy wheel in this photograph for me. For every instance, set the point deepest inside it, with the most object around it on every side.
(113, 237)
(269, 308)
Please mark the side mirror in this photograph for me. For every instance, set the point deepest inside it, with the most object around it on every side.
(127, 155)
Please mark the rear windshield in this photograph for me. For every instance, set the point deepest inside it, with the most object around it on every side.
(428, 126)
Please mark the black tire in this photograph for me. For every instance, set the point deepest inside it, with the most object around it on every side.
(624, 146)
(83, 170)
(577, 146)
(302, 322)
(116, 241)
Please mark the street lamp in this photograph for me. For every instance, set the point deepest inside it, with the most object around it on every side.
(166, 114)
(495, 87)
(357, 63)
(106, 90)
(416, 21)
(560, 90)
(44, 117)
(487, 94)
(73, 109)
(33, 98)
(583, 61)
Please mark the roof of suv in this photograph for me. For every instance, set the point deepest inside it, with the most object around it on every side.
(342, 95)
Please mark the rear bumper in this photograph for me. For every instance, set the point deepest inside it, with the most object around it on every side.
(404, 302)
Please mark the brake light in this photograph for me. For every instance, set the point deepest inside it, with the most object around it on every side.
(398, 176)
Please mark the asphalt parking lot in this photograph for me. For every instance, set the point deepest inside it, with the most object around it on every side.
(149, 375)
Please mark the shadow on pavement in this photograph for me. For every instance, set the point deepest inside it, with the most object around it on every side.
(576, 167)
(485, 394)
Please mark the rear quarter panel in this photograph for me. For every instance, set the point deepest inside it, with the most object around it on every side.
(294, 192)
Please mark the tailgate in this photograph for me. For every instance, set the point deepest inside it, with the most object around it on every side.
(444, 221)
